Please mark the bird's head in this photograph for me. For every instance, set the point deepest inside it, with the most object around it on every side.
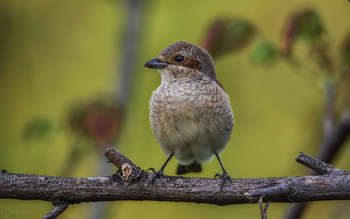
(183, 60)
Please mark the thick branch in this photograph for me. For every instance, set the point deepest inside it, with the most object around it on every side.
(178, 189)
(170, 188)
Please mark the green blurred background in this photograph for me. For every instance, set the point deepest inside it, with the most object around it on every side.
(56, 56)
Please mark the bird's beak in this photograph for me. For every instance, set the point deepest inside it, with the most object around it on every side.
(156, 63)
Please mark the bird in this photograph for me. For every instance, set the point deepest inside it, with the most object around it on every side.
(190, 112)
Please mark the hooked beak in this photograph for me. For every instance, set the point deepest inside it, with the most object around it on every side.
(156, 63)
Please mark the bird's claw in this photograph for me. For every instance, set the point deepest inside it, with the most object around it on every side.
(140, 176)
(152, 169)
(224, 177)
(157, 175)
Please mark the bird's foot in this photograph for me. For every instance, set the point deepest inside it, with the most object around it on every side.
(224, 177)
(159, 173)
(156, 175)
(151, 169)
(142, 175)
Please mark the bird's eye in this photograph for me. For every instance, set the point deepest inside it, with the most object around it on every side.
(179, 59)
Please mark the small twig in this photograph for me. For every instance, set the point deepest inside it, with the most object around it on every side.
(115, 157)
(56, 210)
(263, 209)
(266, 206)
(129, 169)
(319, 166)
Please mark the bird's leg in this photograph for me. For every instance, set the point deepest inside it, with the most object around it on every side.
(224, 176)
(160, 172)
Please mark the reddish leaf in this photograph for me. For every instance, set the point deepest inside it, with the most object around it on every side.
(98, 120)
(227, 35)
(304, 24)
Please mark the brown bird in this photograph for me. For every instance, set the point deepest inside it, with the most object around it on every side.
(190, 112)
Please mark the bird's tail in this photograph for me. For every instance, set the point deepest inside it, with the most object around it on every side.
(193, 167)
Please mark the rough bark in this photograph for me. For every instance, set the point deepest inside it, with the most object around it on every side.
(131, 183)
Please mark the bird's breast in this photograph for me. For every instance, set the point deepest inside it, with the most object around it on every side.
(183, 112)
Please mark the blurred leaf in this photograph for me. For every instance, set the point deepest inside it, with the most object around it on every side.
(228, 35)
(310, 25)
(264, 54)
(98, 120)
(304, 24)
(37, 129)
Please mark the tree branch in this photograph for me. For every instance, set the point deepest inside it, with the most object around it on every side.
(335, 139)
(332, 143)
(319, 166)
(57, 210)
(131, 183)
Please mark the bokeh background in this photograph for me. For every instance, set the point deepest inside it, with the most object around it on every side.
(64, 96)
